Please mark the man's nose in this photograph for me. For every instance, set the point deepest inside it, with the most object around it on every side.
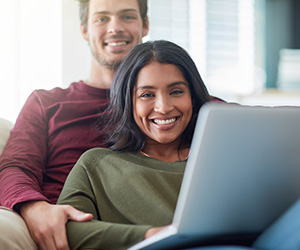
(115, 26)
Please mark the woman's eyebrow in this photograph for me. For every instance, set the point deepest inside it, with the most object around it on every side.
(145, 87)
(178, 83)
(169, 86)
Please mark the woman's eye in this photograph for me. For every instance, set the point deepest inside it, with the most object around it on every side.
(145, 95)
(177, 92)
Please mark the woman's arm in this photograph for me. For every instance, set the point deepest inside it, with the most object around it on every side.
(95, 234)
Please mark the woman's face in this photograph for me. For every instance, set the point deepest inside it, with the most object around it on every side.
(162, 104)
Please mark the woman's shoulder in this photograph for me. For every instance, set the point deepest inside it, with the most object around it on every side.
(103, 155)
(96, 153)
(92, 159)
(106, 158)
(99, 162)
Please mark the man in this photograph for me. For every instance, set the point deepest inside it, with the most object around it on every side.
(55, 127)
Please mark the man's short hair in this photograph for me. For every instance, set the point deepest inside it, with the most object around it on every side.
(84, 11)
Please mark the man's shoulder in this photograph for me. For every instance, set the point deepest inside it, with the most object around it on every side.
(57, 91)
(216, 99)
(75, 93)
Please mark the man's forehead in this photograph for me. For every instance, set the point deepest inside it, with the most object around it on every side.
(113, 6)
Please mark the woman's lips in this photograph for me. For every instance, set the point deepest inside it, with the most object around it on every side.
(164, 121)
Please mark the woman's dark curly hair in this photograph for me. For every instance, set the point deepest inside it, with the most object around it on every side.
(124, 134)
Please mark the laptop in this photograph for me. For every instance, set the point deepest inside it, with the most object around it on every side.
(243, 172)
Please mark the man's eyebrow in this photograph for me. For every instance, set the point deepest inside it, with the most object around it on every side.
(129, 10)
(104, 12)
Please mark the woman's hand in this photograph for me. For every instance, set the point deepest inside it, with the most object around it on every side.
(47, 223)
(153, 230)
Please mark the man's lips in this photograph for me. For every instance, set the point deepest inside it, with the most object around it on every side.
(116, 44)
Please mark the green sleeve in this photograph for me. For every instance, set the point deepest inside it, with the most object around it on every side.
(95, 234)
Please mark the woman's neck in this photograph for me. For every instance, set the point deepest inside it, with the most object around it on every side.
(165, 152)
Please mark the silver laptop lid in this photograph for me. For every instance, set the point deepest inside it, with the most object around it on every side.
(243, 170)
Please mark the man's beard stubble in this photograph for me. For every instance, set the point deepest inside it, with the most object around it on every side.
(106, 62)
(102, 61)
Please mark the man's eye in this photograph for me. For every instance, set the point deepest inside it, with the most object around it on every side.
(128, 17)
(102, 19)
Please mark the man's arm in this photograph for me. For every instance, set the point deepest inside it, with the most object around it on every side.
(22, 166)
(22, 162)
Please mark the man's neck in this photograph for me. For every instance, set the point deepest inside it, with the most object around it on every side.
(100, 76)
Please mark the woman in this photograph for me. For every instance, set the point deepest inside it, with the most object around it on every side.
(131, 189)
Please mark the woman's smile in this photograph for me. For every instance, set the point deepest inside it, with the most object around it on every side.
(164, 122)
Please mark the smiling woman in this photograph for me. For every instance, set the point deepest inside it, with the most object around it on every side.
(155, 99)
(144, 69)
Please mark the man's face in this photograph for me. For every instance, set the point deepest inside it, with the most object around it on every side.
(114, 27)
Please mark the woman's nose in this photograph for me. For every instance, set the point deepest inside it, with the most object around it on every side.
(163, 105)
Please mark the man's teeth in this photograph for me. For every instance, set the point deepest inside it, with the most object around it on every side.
(116, 44)
(164, 122)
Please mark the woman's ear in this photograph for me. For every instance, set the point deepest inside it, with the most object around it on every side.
(84, 32)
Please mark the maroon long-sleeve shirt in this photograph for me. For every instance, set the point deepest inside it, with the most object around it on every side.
(53, 129)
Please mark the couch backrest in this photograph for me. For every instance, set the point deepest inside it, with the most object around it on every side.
(5, 127)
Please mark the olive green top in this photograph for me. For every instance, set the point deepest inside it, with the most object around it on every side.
(127, 193)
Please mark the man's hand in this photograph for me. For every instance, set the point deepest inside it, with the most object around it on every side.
(47, 223)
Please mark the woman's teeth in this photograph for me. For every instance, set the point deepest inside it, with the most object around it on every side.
(164, 122)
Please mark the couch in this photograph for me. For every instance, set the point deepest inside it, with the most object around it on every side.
(5, 127)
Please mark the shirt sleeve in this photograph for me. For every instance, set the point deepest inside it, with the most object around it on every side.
(95, 234)
(22, 162)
